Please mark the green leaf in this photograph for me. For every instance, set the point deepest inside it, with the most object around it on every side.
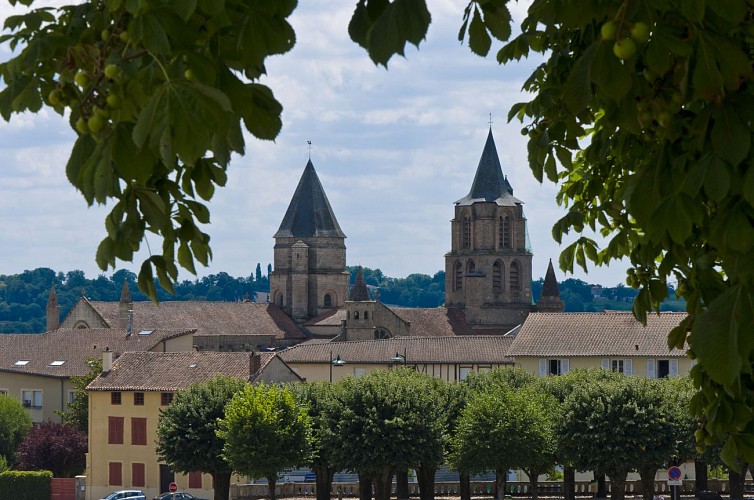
(154, 209)
(714, 338)
(185, 258)
(148, 29)
(401, 22)
(145, 281)
(693, 10)
(577, 92)
(185, 8)
(359, 24)
(479, 40)
(706, 78)
(731, 138)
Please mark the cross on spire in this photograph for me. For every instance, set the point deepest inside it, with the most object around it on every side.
(490, 120)
(309, 147)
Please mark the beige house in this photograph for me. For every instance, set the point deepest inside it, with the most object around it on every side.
(36, 368)
(554, 343)
(124, 408)
(450, 358)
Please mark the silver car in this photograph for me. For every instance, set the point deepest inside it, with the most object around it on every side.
(126, 495)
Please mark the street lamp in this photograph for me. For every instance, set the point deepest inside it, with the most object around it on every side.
(336, 361)
(400, 358)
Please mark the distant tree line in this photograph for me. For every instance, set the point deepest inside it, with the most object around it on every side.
(23, 297)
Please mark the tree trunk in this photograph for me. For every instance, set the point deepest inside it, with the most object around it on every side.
(221, 481)
(501, 483)
(601, 486)
(323, 480)
(425, 476)
(465, 485)
(382, 483)
(365, 486)
(401, 484)
(648, 482)
(618, 485)
(700, 471)
(737, 482)
(272, 482)
(533, 483)
(569, 483)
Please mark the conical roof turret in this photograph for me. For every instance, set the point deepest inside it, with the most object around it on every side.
(550, 286)
(52, 298)
(309, 213)
(125, 292)
(490, 184)
(359, 290)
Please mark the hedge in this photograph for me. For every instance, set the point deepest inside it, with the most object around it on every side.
(25, 485)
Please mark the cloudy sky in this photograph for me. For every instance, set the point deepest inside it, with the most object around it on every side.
(393, 149)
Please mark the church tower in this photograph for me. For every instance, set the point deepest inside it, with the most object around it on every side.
(488, 269)
(310, 274)
(53, 310)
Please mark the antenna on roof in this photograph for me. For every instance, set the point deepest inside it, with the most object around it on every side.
(309, 147)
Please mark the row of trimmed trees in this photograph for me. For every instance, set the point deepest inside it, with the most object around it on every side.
(388, 422)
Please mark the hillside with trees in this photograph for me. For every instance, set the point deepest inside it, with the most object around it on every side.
(23, 297)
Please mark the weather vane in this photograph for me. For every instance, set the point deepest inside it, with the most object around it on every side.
(309, 147)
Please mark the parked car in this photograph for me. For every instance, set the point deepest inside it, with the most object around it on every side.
(126, 495)
(177, 496)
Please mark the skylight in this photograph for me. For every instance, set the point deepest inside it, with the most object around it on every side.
(22, 362)
(146, 332)
(57, 363)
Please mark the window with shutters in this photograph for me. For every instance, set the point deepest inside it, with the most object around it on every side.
(138, 431)
(505, 232)
(115, 430)
(195, 479)
(138, 398)
(616, 365)
(166, 398)
(115, 398)
(115, 474)
(466, 232)
(138, 475)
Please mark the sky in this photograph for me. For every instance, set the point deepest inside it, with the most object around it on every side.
(394, 149)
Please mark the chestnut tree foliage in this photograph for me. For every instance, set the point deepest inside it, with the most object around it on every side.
(640, 112)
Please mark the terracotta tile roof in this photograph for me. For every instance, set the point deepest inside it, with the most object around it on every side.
(434, 322)
(171, 371)
(482, 349)
(73, 347)
(610, 333)
(208, 318)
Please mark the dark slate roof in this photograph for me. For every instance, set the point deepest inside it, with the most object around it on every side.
(550, 286)
(480, 349)
(309, 214)
(73, 347)
(207, 318)
(609, 333)
(171, 371)
(489, 182)
(359, 290)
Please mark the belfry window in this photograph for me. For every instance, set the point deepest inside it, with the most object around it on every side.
(515, 275)
(505, 232)
(466, 232)
(497, 276)
(458, 277)
(328, 300)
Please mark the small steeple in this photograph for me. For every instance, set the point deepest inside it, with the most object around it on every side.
(53, 310)
(309, 214)
(359, 291)
(550, 300)
(125, 293)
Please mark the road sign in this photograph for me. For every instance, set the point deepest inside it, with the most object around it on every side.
(173, 487)
(674, 476)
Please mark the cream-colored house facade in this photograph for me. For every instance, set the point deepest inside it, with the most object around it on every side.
(554, 343)
(36, 368)
(124, 408)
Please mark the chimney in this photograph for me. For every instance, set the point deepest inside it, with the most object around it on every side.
(107, 360)
(53, 310)
(255, 363)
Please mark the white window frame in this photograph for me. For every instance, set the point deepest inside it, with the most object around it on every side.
(463, 372)
(359, 372)
(37, 397)
(544, 366)
(628, 365)
(672, 367)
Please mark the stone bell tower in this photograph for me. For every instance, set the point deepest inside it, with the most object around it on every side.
(309, 273)
(488, 269)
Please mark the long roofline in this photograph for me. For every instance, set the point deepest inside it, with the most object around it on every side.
(309, 213)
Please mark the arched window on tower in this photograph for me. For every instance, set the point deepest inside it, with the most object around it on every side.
(458, 277)
(366, 314)
(328, 300)
(515, 275)
(497, 277)
(470, 267)
(356, 315)
(466, 232)
(505, 232)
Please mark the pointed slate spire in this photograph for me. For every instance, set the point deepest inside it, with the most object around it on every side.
(359, 291)
(309, 214)
(550, 286)
(550, 300)
(489, 182)
(125, 293)
(53, 310)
